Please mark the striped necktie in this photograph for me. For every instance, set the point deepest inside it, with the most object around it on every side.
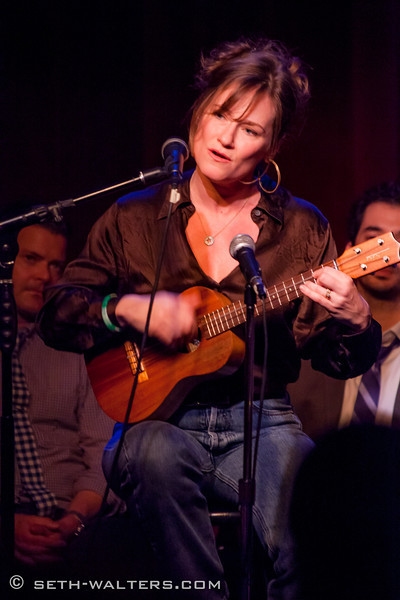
(30, 469)
(367, 399)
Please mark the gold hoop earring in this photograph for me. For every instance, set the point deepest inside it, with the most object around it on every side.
(278, 174)
(257, 179)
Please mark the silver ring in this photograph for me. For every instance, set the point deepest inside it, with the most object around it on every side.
(328, 294)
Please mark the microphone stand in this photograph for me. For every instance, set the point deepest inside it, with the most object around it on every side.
(247, 484)
(8, 334)
(55, 210)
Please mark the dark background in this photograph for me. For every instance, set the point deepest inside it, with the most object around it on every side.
(91, 90)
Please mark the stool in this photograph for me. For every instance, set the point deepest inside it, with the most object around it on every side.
(227, 536)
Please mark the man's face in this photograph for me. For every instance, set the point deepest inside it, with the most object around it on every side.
(379, 218)
(39, 263)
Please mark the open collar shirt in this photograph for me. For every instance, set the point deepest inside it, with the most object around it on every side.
(121, 257)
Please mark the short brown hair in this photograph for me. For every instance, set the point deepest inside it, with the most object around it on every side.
(386, 191)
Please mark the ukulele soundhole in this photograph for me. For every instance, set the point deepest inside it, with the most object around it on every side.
(193, 345)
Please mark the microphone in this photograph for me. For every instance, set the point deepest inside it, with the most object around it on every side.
(242, 248)
(175, 151)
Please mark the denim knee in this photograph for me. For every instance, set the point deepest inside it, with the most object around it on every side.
(155, 453)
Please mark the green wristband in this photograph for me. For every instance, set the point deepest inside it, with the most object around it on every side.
(107, 321)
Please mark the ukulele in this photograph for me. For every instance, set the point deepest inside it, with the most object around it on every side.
(165, 376)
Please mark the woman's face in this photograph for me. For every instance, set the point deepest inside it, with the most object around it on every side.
(227, 147)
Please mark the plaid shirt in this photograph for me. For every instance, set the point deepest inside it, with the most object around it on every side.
(70, 428)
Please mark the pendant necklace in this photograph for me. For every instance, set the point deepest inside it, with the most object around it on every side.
(210, 239)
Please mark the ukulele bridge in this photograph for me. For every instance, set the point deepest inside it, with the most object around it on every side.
(132, 354)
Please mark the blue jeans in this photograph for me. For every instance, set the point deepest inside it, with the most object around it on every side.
(168, 471)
